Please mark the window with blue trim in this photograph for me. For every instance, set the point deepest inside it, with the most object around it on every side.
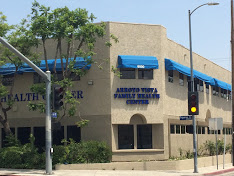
(127, 73)
(170, 76)
(145, 73)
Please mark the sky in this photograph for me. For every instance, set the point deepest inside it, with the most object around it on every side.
(211, 25)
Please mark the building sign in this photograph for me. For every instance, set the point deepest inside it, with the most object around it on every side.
(35, 96)
(137, 95)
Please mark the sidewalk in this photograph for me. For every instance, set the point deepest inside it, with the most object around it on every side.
(212, 170)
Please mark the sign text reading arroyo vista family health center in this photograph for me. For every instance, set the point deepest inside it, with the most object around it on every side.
(137, 95)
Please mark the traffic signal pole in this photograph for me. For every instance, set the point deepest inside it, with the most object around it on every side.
(192, 90)
(49, 149)
(47, 77)
(232, 93)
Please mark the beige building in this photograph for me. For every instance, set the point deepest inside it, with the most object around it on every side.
(138, 114)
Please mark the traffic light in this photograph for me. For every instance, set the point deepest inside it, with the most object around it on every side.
(193, 104)
(57, 97)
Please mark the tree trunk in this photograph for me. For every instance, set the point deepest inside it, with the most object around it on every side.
(45, 54)
(6, 126)
(7, 129)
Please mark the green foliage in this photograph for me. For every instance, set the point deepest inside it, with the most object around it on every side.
(82, 123)
(83, 152)
(39, 106)
(21, 156)
(3, 91)
(4, 27)
(210, 147)
(189, 154)
(11, 140)
(228, 148)
(180, 151)
(115, 71)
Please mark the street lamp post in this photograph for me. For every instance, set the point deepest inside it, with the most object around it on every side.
(192, 84)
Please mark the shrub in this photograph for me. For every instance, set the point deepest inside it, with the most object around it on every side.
(95, 152)
(83, 152)
(27, 156)
(229, 148)
(21, 156)
(210, 147)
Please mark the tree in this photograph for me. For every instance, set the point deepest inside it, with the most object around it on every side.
(63, 26)
(21, 38)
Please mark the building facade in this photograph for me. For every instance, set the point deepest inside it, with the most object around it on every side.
(137, 114)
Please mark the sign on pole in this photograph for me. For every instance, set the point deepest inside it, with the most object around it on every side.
(185, 117)
(216, 123)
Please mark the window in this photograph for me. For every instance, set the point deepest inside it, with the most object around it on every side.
(58, 76)
(172, 129)
(229, 95)
(170, 76)
(201, 86)
(144, 136)
(74, 77)
(127, 73)
(217, 91)
(189, 83)
(225, 94)
(181, 79)
(199, 130)
(224, 130)
(145, 73)
(177, 129)
(7, 80)
(74, 132)
(58, 136)
(203, 130)
(196, 85)
(37, 78)
(222, 92)
(227, 131)
(24, 134)
(39, 134)
(214, 91)
(207, 88)
(125, 136)
(208, 130)
(182, 129)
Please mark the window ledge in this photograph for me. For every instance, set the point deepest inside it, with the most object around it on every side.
(137, 150)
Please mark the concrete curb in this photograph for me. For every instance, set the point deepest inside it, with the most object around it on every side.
(220, 172)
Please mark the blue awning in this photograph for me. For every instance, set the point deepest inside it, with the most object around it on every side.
(9, 69)
(222, 84)
(172, 65)
(145, 62)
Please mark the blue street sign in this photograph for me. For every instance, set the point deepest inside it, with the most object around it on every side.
(54, 114)
(185, 117)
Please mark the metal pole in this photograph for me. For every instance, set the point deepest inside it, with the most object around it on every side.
(232, 50)
(49, 149)
(216, 136)
(224, 149)
(192, 89)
